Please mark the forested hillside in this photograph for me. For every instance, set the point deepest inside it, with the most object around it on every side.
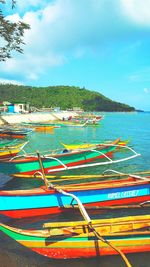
(65, 97)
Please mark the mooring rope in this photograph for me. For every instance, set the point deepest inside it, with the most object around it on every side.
(83, 213)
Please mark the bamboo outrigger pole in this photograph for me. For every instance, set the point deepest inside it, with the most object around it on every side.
(42, 170)
(83, 213)
(61, 178)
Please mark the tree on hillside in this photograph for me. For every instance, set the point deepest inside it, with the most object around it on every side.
(11, 34)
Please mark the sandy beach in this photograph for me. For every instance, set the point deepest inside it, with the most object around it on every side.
(35, 117)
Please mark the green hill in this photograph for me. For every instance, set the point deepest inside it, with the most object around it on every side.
(65, 97)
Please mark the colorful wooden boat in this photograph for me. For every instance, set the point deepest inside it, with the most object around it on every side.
(29, 165)
(90, 119)
(43, 201)
(40, 127)
(68, 123)
(44, 128)
(78, 146)
(72, 124)
(77, 121)
(9, 151)
(93, 145)
(67, 240)
(14, 132)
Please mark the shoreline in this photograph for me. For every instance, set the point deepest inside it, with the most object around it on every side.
(17, 118)
(43, 117)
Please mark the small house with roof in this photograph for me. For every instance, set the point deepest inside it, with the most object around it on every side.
(17, 107)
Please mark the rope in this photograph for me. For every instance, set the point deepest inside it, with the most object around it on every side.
(83, 213)
(42, 169)
(88, 219)
(110, 245)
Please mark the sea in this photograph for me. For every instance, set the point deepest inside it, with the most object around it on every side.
(133, 127)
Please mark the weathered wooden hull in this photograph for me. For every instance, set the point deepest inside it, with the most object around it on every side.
(70, 241)
(40, 201)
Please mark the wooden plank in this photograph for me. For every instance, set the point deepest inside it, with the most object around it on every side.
(120, 220)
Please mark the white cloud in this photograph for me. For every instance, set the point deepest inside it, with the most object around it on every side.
(64, 29)
(146, 90)
(137, 10)
(7, 81)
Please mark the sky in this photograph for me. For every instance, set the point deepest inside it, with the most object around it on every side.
(101, 45)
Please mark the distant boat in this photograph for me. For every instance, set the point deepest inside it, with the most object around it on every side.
(14, 132)
(70, 124)
(92, 145)
(40, 127)
(91, 120)
(56, 124)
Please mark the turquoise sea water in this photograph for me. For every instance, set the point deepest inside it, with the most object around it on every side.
(134, 127)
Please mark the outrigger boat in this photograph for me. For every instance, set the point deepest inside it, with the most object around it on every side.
(88, 238)
(84, 239)
(64, 160)
(91, 120)
(14, 132)
(40, 127)
(100, 194)
(91, 145)
(9, 151)
(62, 123)
(70, 123)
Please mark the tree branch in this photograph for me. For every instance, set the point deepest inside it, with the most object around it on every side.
(11, 35)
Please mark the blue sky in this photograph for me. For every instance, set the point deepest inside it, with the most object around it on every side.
(102, 45)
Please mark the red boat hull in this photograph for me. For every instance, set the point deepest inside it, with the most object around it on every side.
(70, 253)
